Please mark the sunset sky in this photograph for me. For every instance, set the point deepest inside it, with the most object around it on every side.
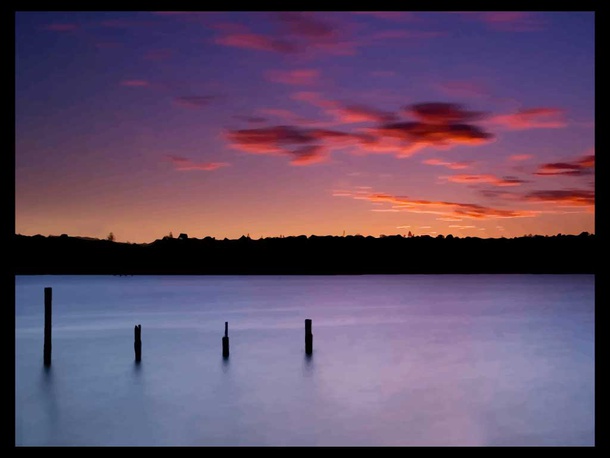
(224, 124)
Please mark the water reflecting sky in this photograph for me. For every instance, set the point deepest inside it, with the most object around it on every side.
(397, 360)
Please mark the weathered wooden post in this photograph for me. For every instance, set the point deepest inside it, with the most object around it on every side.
(48, 301)
(225, 341)
(137, 344)
(308, 337)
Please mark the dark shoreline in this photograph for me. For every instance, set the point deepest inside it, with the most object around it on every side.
(314, 255)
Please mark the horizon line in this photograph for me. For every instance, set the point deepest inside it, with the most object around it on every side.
(357, 235)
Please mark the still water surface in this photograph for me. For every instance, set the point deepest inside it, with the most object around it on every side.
(397, 360)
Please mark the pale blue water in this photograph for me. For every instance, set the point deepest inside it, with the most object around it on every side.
(397, 360)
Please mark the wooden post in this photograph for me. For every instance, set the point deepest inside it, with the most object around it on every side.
(308, 337)
(48, 301)
(137, 344)
(225, 341)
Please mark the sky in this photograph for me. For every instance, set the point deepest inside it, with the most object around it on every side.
(271, 124)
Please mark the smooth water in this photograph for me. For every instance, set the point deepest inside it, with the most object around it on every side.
(397, 360)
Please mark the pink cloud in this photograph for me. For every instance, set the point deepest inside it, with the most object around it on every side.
(533, 118)
(309, 155)
(491, 179)
(301, 77)
(288, 117)
(270, 140)
(184, 164)
(304, 146)
(417, 135)
(451, 165)
(441, 126)
(564, 197)
(349, 114)
(587, 161)
(577, 167)
(446, 209)
(519, 157)
(377, 143)
(442, 113)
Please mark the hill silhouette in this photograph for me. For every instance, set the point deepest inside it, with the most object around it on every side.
(314, 255)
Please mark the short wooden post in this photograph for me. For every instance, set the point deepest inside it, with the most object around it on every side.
(48, 301)
(225, 341)
(308, 337)
(137, 344)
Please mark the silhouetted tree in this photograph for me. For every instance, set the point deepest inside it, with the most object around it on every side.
(111, 237)
(171, 236)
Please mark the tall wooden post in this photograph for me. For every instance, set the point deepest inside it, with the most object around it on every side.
(308, 337)
(225, 341)
(137, 344)
(48, 305)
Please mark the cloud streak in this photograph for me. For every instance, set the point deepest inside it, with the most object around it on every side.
(349, 114)
(446, 209)
(564, 197)
(489, 179)
(578, 167)
(183, 164)
(519, 157)
(450, 165)
(532, 118)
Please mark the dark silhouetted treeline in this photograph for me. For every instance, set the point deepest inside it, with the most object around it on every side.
(307, 255)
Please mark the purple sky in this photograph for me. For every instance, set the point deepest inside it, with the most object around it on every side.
(267, 124)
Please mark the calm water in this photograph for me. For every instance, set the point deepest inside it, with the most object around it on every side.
(397, 360)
